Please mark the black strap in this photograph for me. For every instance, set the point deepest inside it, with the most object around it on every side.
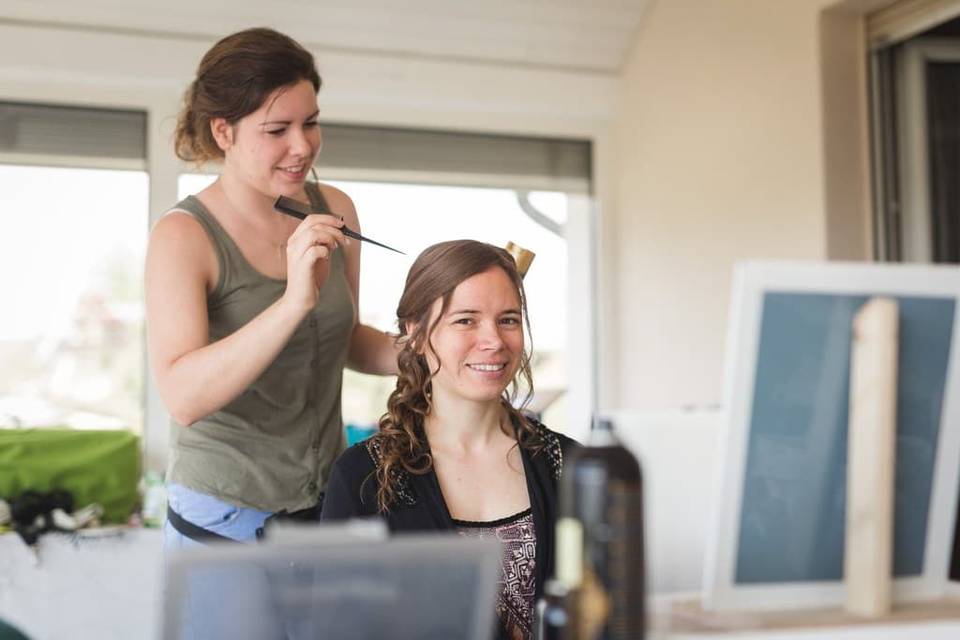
(192, 531)
(199, 534)
(310, 514)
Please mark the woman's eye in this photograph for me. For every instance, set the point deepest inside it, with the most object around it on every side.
(312, 123)
(276, 132)
(510, 321)
(464, 321)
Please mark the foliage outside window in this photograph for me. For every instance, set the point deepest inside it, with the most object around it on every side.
(72, 245)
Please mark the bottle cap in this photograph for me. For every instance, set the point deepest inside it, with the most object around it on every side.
(602, 433)
(602, 424)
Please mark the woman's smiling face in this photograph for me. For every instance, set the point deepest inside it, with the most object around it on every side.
(478, 342)
(273, 148)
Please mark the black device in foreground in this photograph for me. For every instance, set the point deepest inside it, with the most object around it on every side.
(598, 588)
(299, 210)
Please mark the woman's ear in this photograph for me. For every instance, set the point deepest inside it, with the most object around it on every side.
(222, 132)
(409, 327)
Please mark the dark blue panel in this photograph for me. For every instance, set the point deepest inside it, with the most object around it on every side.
(794, 496)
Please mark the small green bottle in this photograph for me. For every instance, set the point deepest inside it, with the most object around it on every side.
(154, 500)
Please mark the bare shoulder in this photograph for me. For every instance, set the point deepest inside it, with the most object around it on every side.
(339, 203)
(177, 224)
(178, 240)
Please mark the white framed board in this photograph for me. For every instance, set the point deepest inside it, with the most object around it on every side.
(779, 522)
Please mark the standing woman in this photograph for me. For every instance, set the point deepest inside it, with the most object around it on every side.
(252, 315)
(452, 453)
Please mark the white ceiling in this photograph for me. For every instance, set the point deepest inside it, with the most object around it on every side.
(584, 35)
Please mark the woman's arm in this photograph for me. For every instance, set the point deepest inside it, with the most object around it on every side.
(371, 350)
(196, 377)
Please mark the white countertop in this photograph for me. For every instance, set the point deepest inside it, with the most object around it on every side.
(678, 617)
(82, 587)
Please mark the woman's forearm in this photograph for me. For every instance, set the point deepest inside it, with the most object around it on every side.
(204, 380)
(372, 351)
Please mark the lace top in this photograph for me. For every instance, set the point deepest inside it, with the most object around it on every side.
(518, 579)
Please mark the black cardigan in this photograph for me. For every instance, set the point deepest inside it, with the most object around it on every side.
(352, 492)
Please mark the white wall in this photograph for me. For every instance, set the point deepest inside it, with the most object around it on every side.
(725, 153)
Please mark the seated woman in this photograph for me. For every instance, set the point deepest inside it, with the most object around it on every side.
(452, 452)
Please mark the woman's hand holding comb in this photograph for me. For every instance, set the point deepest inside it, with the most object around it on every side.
(309, 249)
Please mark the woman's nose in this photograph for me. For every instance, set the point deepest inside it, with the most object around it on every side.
(300, 143)
(490, 337)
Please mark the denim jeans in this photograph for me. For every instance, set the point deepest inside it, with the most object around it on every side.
(225, 602)
(238, 523)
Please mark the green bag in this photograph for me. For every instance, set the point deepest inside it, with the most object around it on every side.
(94, 466)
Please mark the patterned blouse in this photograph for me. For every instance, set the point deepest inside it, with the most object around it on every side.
(518, 580)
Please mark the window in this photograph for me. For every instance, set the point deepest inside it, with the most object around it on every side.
(915, 97)
(73, 231)
(411, 217)
(72, 245)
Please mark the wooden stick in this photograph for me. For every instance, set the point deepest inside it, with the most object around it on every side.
(871, 450)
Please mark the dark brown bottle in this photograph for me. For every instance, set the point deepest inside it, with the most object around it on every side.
(601, 489)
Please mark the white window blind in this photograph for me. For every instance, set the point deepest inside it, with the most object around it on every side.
(907, 18)
(465, 159)
(57, 135)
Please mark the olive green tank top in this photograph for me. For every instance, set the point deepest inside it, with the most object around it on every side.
(270, 448)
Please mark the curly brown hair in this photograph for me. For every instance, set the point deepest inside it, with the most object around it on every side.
(434, 275)
(233, 80)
